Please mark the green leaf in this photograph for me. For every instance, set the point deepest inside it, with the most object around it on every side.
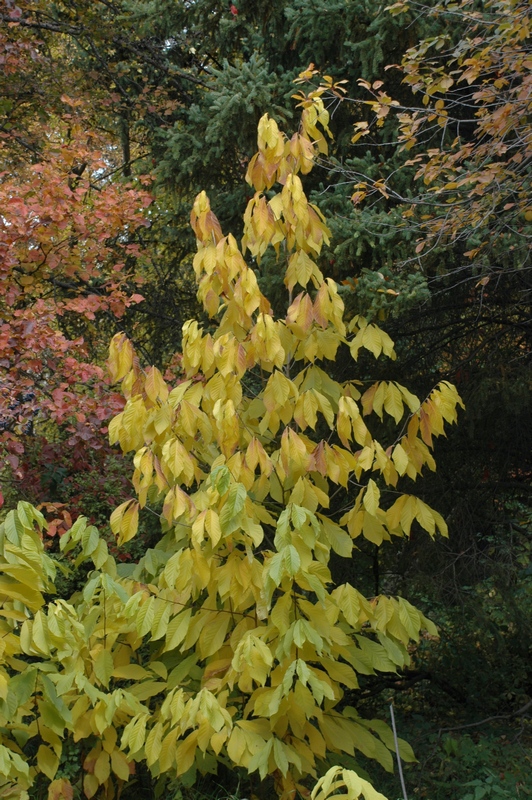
(279, 756)
(51, 716)
(232, 508)
(89, 540)
(23, 685)
(337, 537)
(220, 479)
(260, 759)
(291, 560)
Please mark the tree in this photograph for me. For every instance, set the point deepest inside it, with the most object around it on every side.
(461, 198)
(226, 641)
(476, 105)
(178, 89)
(455, 199)
(68, 252)
(80, 238)
(138, 89)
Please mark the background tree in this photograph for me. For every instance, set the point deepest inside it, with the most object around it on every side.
(467, 207)
(72, 255)
(459, 198)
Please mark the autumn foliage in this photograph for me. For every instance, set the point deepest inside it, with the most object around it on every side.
(69, 257)
(229, 640)
(469, 139)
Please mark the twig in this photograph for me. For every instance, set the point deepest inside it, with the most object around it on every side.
(488, 719)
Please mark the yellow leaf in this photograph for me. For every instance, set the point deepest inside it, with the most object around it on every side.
(186, 752)
(425, 517)
(236, 745)
(336, 778)
(120, 765)
(90, 785)
(408, 512)
(212, 524)
(154, 385)
(340, 672)
(371, 497)
(152, 748)
(410, 617)
(336, 734)
(124, 521)
(103, 666)
(39, 632)
(121, 356)
(177, 629)
(218, 740)
(281, 613)
(279, 756)
(60, 789)
(400, 459)
(14, 590)
(213, 634)
(168, 750)
(135, 733)
(337, 537)
(291, 560)
(348, 600)
(102, 767)
(47, 761)
(260, 759)
(393, 403)
(133, 672)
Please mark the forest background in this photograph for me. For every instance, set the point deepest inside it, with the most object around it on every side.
(115, 115)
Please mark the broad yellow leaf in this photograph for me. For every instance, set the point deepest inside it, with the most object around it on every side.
(336, 536)
(260, 759)
(186, 752)
(103, 666)
(102, 767)
(120, 357)
(47, 761)
(371, 497)
(120, 765)
(60, 789)
(213, 634)
(152, 747)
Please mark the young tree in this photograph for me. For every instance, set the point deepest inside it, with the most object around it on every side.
(229, 641)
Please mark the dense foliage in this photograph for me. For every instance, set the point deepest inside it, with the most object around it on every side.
(113, 117)
(225, 642)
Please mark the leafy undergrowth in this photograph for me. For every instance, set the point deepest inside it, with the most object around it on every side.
(465, 707)
(494, 762)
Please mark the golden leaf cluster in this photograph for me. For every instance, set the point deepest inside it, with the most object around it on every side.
(229, 639)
